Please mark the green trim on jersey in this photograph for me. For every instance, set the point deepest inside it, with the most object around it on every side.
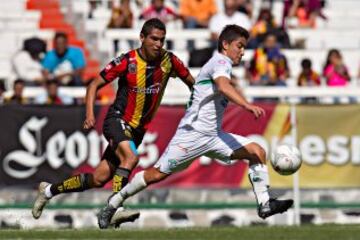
(205, 81)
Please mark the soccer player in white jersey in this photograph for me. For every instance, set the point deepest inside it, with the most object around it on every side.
(199, 132)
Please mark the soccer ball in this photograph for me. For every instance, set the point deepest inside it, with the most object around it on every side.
(286, 160)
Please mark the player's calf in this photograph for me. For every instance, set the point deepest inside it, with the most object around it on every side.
(77, 183)
(46, 190)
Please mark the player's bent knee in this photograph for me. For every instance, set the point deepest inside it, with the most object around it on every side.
(262, 154)
(258, 154)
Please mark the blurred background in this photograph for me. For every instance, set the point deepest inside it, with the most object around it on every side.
(302, 64)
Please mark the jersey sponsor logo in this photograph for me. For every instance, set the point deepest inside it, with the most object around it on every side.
(153, 89)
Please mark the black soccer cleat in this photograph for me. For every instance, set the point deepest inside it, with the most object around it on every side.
(105, 215)
(274, 206)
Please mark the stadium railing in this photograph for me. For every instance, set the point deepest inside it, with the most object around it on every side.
(177, 93)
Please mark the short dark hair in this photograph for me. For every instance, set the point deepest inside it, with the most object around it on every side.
(306, 63)
(151, 24)
(2, 85)
(231, 33)
(52, 82)
(19, 81)
(270, 33)
(60, 35)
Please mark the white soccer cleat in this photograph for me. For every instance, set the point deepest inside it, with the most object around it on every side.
(122, 215)
(40, 201)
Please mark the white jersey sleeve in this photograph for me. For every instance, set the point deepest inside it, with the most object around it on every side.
(222, 68)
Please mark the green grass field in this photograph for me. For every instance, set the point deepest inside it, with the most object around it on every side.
(308, 232)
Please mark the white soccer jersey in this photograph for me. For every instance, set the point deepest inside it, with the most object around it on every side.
(199, 132)
(206, 105)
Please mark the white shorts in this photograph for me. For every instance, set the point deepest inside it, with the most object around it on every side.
(187, 145)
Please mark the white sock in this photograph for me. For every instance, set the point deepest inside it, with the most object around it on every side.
(259, 178)
(47, 192)
(134, 186)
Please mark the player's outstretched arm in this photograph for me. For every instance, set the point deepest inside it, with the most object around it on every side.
(224, 86)
(91, 92)
(189, 81)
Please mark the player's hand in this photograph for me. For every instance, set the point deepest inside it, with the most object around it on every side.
(257, 111)
(89, 122)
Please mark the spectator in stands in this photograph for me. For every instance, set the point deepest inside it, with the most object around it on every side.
(64, 63)
(2, 91)
(17, 97)
(157, 9)
(121, 17)
(52, 95)
(92, 6)
(308, 77)
(27, 63)
(335, 71)
(268, 66)
(230, 15)
(304, 12)
(196, 14)
(264, 24)
(246, 7)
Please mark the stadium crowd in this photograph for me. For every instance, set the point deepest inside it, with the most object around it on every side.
(37, 65)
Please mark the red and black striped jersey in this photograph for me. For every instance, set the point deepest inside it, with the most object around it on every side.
(141, 84)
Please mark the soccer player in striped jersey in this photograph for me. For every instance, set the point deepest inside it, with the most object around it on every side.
(142, 75)
(199, 132)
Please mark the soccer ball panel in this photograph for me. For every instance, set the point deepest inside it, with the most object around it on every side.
(286, 159)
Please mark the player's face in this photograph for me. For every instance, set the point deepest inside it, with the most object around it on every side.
(153, 43)
(235, 50)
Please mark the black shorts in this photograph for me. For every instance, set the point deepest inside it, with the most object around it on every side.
(115, 131)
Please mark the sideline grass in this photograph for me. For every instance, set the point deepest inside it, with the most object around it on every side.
(311, 232)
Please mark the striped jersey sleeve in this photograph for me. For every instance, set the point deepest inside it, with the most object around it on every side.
(178, 67)
(114, 69)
